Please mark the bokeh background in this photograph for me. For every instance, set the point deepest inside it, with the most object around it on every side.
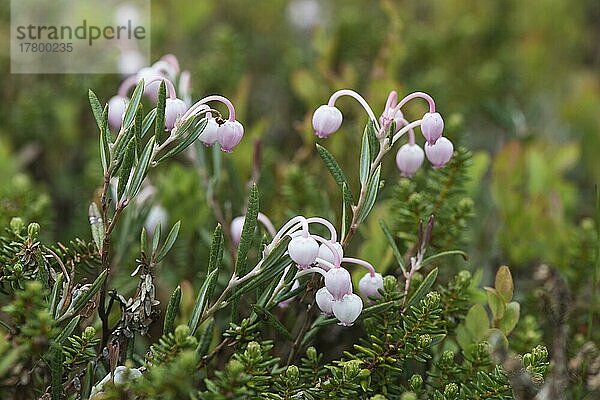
(518, 83)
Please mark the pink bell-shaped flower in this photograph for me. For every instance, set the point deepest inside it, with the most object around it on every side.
(347, 309)
(440, 152)
(369, 286)
(303, 250)
(209, 134)
(324, 301)
(116, 109)
(237, 224)
(150, 89)
(338, 282)
(326, 120)
(174, 108)
(432, 126)
(229, 135)
(326, 254)
(409, 159)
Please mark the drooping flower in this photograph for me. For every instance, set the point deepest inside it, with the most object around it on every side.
(116, 109)
(174, 109)
(432, 126)
(369, 285)
(347, 309)
(236, 226)
(440, 152)
(338, 282)
(409, 159)
(303, 250)
(229, 134)
(209, 134)
(326, 120)
(326, 254)
(324, 301)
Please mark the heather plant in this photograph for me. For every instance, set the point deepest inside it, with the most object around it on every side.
(83, 320)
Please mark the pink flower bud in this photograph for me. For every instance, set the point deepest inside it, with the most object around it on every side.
(440, 152)
(209, 134)
(174, 108)
(369, 286)
(347, 309)
(432, 126)
(229, 135)
(324, 301)
(326, 254)
(338, 282)
(409, 159)
(303, 250)
(326, 120)
(237, 224)
(116, 109)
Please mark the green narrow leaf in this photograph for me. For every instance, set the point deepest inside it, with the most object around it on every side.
(169, 242)
(68, 330)
(205, 337)
(141, 170)
(446, 253)
(96, 225)
(372, 137)
(172, 309)
(250, 222)
(270, 319)
(104, 142)
(365, 158)
(216, 249)
(159, 127)
(202, 300)
(156, 238)
(189, 131)
(392, 244)
(87, 381)
(132, 107)
(372, 190)
(83, 299)
(96, 108)
(334, 169)
(55, 295)
(126, 167)
(148, 121)
(137, 128)
(143, 241)
(346, 209)
(423, 288)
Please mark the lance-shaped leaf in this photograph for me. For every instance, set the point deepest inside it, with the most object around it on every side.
(271, 320)
(365, 158)
(55, 295)
(216, 255)
(172, 309)
(96, 225)
(54, 359)
(202, 300)
(423, 288)
(104, 142)
(126, 167)
(133, 104)
(156, 238)
(96, 108)
(446, 253)
(188, 133)
(68, 329)
(141, 170)
(392, 243)
(371, 130)
(346, 209)
(169, 242)
(143, 241)
(159, 128)
(335, 169)
(372, 189)
(250, 222)
(137, 129)
(148, 121)
(205, 337)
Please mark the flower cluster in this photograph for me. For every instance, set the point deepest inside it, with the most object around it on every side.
(390, 126)
(178, 109)
(315, 254)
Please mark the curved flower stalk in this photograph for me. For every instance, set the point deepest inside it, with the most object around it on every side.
(386, 130)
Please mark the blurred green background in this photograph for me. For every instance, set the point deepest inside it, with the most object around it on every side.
(518, 83)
